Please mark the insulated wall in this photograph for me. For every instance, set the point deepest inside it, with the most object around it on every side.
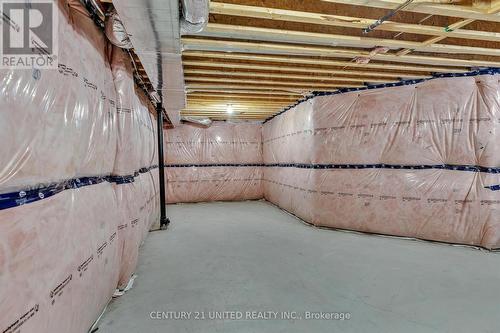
(73, 209)
(218, 163)
(133, 171)
(417, 160)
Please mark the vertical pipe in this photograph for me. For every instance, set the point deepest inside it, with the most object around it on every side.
(164, 221)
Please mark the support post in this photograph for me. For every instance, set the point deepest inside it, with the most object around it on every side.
(164, 221)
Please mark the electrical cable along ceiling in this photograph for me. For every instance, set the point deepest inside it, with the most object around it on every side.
(256, 57)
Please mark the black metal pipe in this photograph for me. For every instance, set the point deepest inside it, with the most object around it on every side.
(164, 221)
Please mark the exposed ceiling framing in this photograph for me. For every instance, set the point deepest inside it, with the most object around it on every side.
(259, 56)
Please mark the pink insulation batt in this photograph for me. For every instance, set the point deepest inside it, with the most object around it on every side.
(221, 143)
(63, 256)
(450, 121)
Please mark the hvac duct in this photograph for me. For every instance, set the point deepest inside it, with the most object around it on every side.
(154, 30)
(204, 122)
(194, 16)
(115, 31)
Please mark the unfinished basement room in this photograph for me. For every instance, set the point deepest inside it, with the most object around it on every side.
(250, 166)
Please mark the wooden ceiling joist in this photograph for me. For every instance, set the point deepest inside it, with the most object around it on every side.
(426, 7)
(189, 72)
(260, 59)
(241, 97)
(192, 100)
(239, 90)
(292, 84)
(310, 70)
(321, 62)
(252, 87)
(453, 27)
(304, 37)
(222, 113)
(347, 21)
(228, 117)
(196, 44)
(234, 106)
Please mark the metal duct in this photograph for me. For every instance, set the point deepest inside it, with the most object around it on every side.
(205, 122)
(115, 31)
(154, 30)
(194, 16)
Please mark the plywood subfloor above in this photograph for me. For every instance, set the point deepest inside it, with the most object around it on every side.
(256, 57)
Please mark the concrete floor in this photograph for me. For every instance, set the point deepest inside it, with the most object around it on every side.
(251, 256)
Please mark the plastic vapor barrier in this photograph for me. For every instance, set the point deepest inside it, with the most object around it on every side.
(418, 160)
(218, 163)
(78, 188)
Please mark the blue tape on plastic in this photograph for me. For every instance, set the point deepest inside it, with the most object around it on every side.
(19, 198)
(122, 179)
(493, 187)
(209, 165)
(470, 168)
(23, 197)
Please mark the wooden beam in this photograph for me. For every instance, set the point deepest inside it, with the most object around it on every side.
(345, 21)
(252, 91)
(252, 87)
(425, 7)
(240, 97)
(302, 37)
(236, 104)
(457, 25)
(274, 83)
(225, 115)
(239, 101)
(240, 109)
(305, 50)
(235, 107)
(210, 101)
(229, 117)
(187, 73)
(280, 68)
(223, 112)
(433, 40)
